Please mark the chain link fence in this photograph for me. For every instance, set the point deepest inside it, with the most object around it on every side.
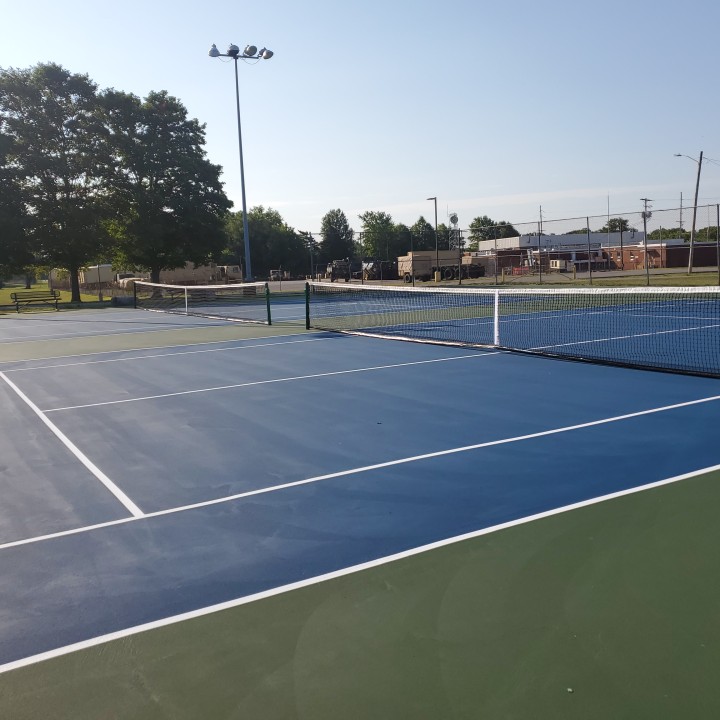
(646, 241)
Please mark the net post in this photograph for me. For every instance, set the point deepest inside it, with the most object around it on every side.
(496, 320)
(267, 302)
(187, 307)
(307, 305)
(134, 295)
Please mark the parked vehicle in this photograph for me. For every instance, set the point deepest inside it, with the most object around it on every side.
(425, 264)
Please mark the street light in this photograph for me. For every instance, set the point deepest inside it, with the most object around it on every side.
(249, 53)
(309, 243)
(437, 254)
(697, 187)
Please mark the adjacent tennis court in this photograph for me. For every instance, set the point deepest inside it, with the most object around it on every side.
(204, 518)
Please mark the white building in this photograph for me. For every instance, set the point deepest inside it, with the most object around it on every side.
(564, 243)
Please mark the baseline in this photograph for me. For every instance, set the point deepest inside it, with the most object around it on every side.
(357, 568)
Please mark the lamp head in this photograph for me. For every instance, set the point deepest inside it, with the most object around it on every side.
(266, 54)
(250, 51)
(233, 51)
(214, 52)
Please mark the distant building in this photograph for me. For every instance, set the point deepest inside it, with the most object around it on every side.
(601, 251)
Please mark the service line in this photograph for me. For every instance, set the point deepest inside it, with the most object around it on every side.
(368, 468)
(276, 380)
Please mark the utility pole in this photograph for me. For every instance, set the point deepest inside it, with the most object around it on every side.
(681, 209)
(692, 231)
(540, 232)
(645, 216)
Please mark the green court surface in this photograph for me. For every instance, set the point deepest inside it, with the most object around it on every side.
(607, 611)
(166, 338)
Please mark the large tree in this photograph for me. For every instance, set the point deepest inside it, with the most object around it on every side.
(678, 232)
(485, 228)
(51, 118)
(275, 245)
(378, 234)
(169, 201)
(312, 247)
(617, 224)
(403, 241)
(15, 252)
(423, 234)
(337, 237)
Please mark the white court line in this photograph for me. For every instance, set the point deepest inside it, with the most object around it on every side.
(623, 337)
(168, 354)
(269, 382)
(353, 569)
(357, 471)
(99, 474)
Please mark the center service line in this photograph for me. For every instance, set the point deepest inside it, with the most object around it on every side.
(99, 474)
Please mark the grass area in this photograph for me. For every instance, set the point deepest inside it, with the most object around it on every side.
(7, 290)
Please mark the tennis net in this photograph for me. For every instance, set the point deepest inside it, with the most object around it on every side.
(243, 302)
(674, 329)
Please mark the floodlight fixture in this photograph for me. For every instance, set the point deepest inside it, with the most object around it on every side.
(249, 53)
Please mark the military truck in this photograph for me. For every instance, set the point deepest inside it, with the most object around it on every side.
(339, 270)
(378, 270)
(424, 264)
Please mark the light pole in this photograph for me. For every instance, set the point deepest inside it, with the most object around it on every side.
(697, 187)
(249, 53)
(437, 253)
(310, 241)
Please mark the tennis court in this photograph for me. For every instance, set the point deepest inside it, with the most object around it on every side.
(203, 518)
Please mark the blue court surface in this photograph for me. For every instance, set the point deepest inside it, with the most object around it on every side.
(172, 475)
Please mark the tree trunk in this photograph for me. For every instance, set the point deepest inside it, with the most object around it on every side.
(74, 284)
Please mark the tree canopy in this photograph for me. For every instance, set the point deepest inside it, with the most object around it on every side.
(168, 199)
(55, 152)
(274, 244)
(617, 224)
(15, 253)
(378, 234)
(423, 234)
(337, 237)
(485, 228)
(97, 175)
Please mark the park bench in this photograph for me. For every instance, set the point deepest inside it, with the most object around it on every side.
(28, 297)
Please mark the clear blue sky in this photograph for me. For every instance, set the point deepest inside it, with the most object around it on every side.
(495, 108)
